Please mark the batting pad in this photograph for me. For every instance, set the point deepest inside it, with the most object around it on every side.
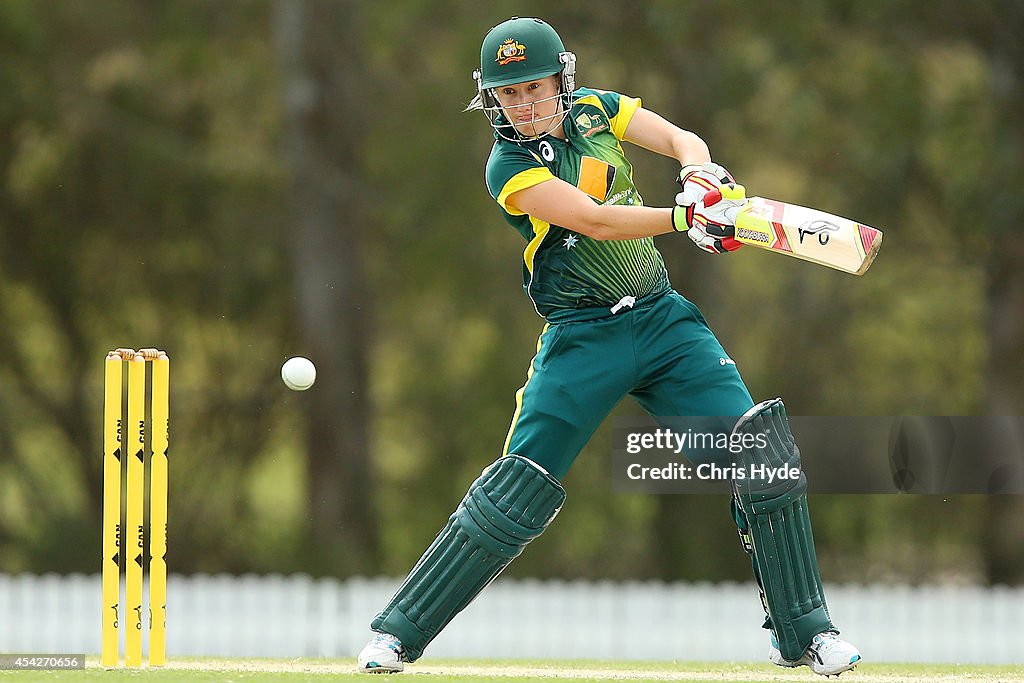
(779, 532)
(508, 506)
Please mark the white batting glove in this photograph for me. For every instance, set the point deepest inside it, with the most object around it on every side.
(713, 219)
(720, 206)
(696, 180)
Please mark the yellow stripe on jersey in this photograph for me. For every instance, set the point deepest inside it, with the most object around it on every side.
(540, 229)
(627, 107)
(595, 177)
(591, 99)
(521, 181)
(522, 390)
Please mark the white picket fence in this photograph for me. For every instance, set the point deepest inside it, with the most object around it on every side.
(296, 616)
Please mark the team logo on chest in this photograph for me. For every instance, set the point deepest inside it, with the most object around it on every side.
(510, 51)
(590, 124)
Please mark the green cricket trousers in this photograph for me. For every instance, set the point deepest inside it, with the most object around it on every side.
(660, 351)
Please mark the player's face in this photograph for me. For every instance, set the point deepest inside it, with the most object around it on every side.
(533, 107)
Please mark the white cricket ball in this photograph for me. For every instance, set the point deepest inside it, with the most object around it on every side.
(298, 373)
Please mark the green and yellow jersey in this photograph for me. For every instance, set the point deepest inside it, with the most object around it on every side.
(563, 270)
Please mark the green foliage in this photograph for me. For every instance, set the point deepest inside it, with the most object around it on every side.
(146, 199)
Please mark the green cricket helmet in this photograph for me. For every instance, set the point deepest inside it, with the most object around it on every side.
(519, 50)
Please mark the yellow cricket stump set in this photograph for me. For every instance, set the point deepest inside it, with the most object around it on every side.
(131, 442)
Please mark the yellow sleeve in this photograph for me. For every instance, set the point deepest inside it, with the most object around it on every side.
(521, 181)
(627, 107)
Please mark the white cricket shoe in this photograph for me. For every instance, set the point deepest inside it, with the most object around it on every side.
(384, 654)
(828, 654)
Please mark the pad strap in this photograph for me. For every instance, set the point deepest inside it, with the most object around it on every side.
(508, 506)
(775, 524)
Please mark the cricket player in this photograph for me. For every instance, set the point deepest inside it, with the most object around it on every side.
(614, 327)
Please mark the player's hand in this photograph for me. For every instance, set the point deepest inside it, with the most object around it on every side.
(713, 240)
(720, 206)
(713, 219)
(696, 180)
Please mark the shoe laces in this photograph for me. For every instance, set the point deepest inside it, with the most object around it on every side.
(824, 638)
(390, 642)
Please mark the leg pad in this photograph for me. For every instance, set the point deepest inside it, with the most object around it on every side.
(508, 506)
(774, 523)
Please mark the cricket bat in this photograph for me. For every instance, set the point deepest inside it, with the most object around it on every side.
(808, 234)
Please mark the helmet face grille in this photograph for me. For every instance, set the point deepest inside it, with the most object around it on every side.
(507, 131)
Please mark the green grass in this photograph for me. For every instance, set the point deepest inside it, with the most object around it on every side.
(509, 671)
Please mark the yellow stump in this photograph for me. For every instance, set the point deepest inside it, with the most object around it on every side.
(111, 507)
(127, 442)
(158, 512)
(135, 449)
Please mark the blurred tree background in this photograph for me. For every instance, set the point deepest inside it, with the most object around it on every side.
(239, 182)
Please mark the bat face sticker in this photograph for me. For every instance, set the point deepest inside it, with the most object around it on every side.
(821, 228)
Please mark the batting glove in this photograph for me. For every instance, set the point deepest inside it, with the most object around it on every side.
(712, 219)
(696, 180)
